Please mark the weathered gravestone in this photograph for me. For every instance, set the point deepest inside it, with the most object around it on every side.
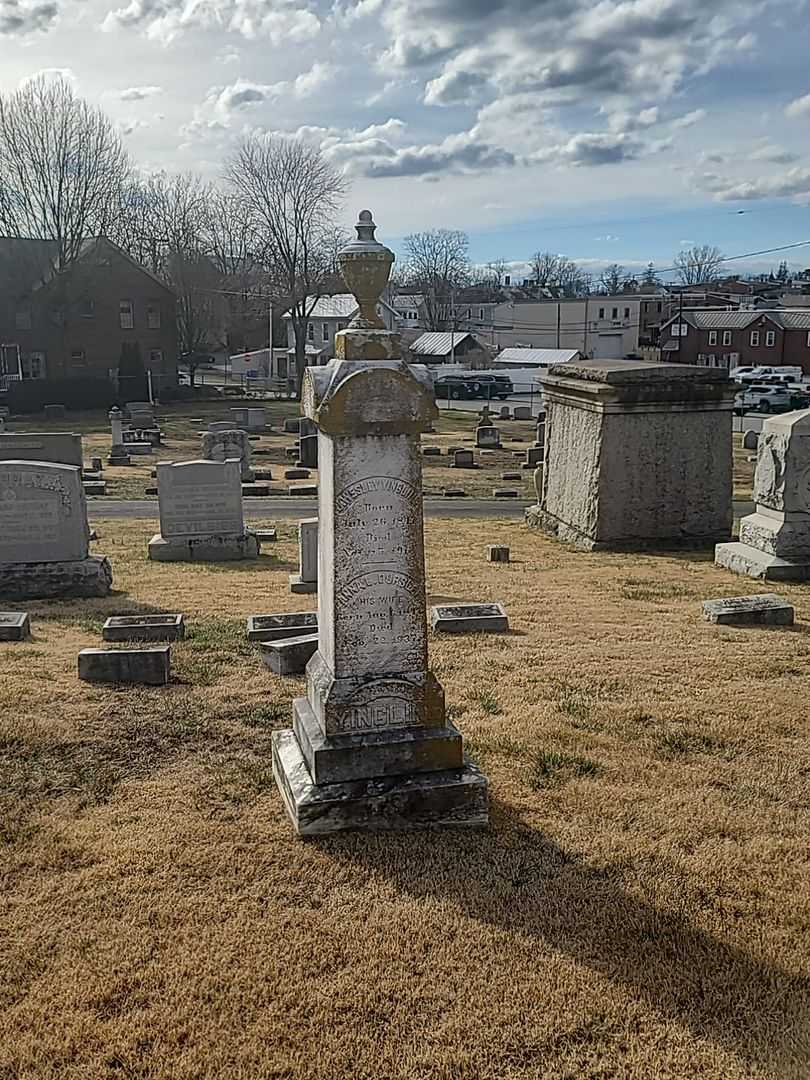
(523, 412)
(141, 413)
(201, 517)
(775, 540)
(371, 746)
(250, 418)
(306, 580)
(765, 609)
(118, 453)
(750, 440)
(14, 626)
(636, 454)
(59, 447)
(463, 459)
(44, 534)
(488, 436)
(229, 445)
(308, 452)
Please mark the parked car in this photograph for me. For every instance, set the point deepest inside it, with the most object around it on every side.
(756, 374)
(491, 386)
(764, 399)
(452, 387)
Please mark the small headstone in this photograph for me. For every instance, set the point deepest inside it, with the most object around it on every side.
(141, 413)
(306, 580)
(497, 553)
(144, 628)
(750, 440)
(431, 451)
(511, 476)
(464, 459)
(765, 609)
(523, 412)
(118, 452)
(291, 451)
(277, 627)
(263, 475)
(256, 491)
(54, 412)
(201, 517)
(454, 493)
(469, 619)
(289, 656)
(487, 436)
(291, 424)
(148, 667)
(94, 487)
(534, 457)
(92, 477)
(229, 445)
(506, 413)
(96, 464)
(296, 474)
(14, 626)
(264, 536)
(135, 449)
(540, 434)
(59, 447)
(302, 490)
(505, 493)
(250, 418)
(308, 452)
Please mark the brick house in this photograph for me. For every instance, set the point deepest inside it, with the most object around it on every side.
(733, 338)
(72, 323)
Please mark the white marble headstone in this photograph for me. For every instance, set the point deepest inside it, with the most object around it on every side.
(43, 514)
(200, 498)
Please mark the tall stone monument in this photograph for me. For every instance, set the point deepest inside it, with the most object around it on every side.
(44, 534)
(775, 539)
(371, 746)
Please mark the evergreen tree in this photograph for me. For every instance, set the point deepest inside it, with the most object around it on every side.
(132, 383)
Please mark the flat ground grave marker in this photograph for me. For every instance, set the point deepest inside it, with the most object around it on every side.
(469, 619)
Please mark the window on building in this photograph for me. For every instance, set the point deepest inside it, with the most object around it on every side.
(480, 314)
(754, 339)
(770, 338)
(310, 332)
(156, 359)
(615, 314)
(126, 314)
(658, 307)
(22, 317)
(712, 337)
(679, 329)
(627, 313)
(726, 337)
(78, 358)
(33, 366)
(153, 316)
(601, 313)
(325, 331)
(87, 308)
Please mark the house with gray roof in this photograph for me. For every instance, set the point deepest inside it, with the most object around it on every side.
(770, 337)
(327, 316)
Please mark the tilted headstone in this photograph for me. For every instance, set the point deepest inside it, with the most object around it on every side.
(201, 516)
(636, 454)
(229, 445)
(775, 540)
(60, 447)
(371, 746)
(306, 580)
(44, 534)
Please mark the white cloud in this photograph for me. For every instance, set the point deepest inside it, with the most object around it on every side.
(776, 155)
(51, 73)
(689, 119)
(792, 183)
(139, 93)
(22, 17)
(799, 107)
(164, 20)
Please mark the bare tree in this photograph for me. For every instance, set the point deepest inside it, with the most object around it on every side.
(545, 267)
(558, 272)
(437, 263)
(62, 166)
(699, 265)
(294, 195)
(612, 278)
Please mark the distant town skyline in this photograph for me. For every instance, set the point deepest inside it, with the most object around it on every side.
(617, 132)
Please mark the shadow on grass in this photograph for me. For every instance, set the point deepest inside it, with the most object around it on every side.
(520, 881)
(262, 564)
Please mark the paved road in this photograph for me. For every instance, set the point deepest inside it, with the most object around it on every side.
(300, 508)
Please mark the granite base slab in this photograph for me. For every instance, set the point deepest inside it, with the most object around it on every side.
(203, 548)
(289, 656)
(286, 624)
(447, 799)
(743, 559)
(144, 628)
(149, 666)
(469, 619)
(74, 578)
(335, 759)
(536, 517)
(298, 585)
(14, 626)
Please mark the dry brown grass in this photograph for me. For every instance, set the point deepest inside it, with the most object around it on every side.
(639, 908)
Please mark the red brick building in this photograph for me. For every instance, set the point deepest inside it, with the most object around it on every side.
(72, 323)
(729, 339)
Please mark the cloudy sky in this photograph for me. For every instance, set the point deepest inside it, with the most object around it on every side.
(608, 130)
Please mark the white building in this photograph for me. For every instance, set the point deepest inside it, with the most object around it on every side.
(600, 327)
(329, 315)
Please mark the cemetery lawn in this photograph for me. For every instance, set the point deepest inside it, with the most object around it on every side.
(455, 427)
(639, 908)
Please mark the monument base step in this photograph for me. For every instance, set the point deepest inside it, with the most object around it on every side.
(539, 518)
(744, 559)
(48, 580)
(454, 799)
(203, 548)
(333, 759)
(299, 586)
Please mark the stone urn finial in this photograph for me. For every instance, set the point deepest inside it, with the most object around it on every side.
(366, 265)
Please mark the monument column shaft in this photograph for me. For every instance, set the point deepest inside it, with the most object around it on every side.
(372, 606)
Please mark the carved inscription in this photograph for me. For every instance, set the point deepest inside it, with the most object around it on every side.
(380, 594)
(40, 518)
(200, 500)
(379, 715)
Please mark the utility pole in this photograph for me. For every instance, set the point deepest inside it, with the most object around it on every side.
(559, 304)
(680, 323)
(452, 327)
(585, 333)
